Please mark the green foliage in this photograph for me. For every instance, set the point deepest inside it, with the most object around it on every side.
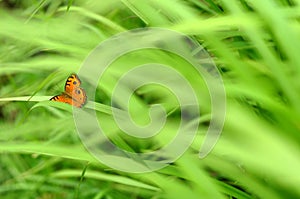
(255, 45)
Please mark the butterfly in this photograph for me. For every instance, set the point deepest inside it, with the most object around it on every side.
(73, 94)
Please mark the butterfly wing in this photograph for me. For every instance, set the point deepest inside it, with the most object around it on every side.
(62, 98)
(72, 82)
(79, 96)
(67, 99)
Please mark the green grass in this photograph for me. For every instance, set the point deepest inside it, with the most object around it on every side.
(255, 45)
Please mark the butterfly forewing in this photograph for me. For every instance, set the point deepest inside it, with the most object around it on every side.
(72, 82)
(62, 98)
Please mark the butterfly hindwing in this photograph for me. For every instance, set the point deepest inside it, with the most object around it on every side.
(79, 96)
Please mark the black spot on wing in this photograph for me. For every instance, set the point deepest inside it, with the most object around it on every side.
(54, 98)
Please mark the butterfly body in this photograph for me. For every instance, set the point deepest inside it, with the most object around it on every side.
(73, 94)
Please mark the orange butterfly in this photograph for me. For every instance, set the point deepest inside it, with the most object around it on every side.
(73, 94)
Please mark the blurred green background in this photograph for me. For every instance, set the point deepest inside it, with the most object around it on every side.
(255, 45)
